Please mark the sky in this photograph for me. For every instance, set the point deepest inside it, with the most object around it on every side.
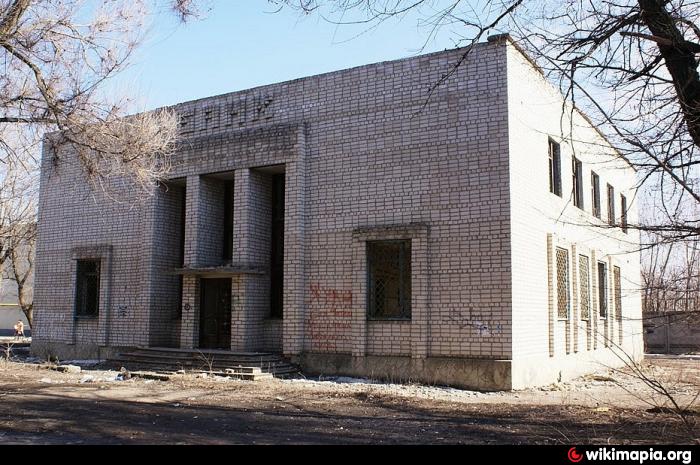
(240, 44)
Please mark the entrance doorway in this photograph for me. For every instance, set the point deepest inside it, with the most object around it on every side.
(215, 314)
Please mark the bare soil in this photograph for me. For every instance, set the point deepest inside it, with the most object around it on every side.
(42, 406)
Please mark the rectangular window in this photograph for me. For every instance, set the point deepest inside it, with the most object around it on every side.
(623, 213)
(228, 222)
(611, 205)
(87, 288)
(584, 287)
(602, 290)
(577, 175)
(554, 168)
(618, 292)
(277, 247)
(562, 284)
(595, 194)
(389, 280)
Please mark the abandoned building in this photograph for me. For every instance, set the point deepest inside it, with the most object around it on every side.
(356, 224)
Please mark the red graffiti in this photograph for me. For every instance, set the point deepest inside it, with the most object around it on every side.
(329, 324)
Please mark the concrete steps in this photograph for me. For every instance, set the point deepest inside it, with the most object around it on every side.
(240, 365)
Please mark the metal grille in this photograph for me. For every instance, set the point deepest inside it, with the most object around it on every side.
(585, 287)
(562, 283)
(389, 279)
(618, 292)
(87, 288)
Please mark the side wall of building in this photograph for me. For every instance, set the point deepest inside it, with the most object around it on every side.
(77, 221)
(545, 347)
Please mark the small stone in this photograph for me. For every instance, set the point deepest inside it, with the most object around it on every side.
(68, 369)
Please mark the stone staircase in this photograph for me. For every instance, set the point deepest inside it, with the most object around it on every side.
(253, 366)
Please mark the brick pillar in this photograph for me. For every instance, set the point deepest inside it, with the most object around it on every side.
(189, 329)
(359, 296)
(252, 219)
(575, 312)
(295, 285)
(595, 311)
(551, 296)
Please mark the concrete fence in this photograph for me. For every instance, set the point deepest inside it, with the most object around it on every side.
(672, 332)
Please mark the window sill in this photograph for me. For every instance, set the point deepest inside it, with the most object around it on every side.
(85, 317)
(388, 320)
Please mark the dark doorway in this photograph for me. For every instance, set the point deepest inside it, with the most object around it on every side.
(277, 247)
(215, 314)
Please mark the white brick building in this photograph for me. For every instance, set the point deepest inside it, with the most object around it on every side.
(344, 222)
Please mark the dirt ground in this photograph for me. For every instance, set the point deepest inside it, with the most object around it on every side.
(42, 406)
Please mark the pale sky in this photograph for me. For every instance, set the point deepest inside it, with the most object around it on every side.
(241, 44)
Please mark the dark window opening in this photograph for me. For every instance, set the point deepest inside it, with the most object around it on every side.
(611, 205)
(623, 213)
(554, 168)
(181, 249)
(389, 280)
(595, 187)
(277, 248)
(577, 175)
(228, 222)
(87, 288)
(602, 290)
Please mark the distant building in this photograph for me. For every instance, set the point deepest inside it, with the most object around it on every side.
(350, 224)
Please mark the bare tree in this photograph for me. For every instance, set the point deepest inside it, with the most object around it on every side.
(56, 57)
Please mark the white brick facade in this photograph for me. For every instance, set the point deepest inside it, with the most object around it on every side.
(463, 177)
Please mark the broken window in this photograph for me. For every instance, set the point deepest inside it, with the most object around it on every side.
(87, 288)
(389, 279)
(562, 284)
(584, 286)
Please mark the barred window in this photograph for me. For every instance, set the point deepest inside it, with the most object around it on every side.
(562, 283)
(87, 288)
(618, 292)
(585, 287)
(389, 279)
(602, 290)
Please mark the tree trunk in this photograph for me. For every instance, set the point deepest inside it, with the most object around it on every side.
(680, 61)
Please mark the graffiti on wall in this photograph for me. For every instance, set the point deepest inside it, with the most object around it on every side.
(329, 322)
(481, 324)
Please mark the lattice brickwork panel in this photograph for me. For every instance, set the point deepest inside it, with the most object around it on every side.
(562, 283)
(585, 287)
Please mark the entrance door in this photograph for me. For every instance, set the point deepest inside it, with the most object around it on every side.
(215, 314)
